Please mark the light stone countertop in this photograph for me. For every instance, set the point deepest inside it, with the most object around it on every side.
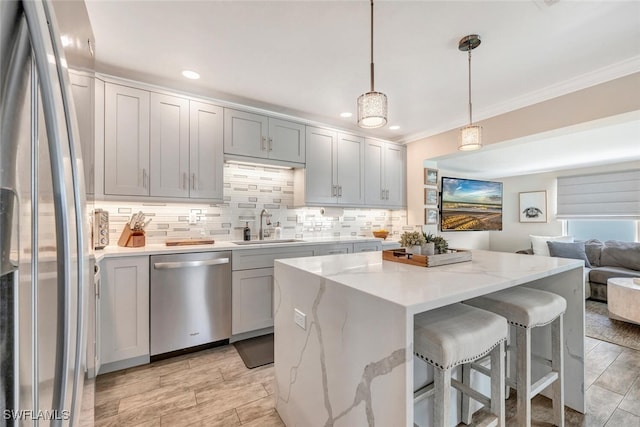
(420, 289)
(344, 331)
(113, 251)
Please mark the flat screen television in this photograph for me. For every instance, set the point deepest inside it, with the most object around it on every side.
(470, 205)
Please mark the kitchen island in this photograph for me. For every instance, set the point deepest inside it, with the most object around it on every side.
(344, 330)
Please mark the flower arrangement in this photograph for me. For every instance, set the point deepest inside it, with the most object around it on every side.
(412, 238)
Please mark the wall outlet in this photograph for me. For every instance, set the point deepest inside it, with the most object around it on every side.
(193, 218)
(300, 319)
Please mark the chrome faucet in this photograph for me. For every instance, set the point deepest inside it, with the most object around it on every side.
(261, 233)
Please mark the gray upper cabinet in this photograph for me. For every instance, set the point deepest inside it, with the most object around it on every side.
(261, 137)
(169, 154)
(395, 173)
(334, 171)
(162, 146)
(82, 88)
(286, 141)
(385, 174)
(126, 141)
(319, 177)
(206, 152)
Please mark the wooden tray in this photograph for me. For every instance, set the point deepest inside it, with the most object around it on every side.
(400, 255)
(189, 242)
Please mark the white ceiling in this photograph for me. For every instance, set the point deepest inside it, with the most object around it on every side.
(311, 58)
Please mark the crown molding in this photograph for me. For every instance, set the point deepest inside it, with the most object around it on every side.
(583, 81)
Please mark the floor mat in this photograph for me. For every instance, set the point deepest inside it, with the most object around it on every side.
(598, 325)
(256, 351)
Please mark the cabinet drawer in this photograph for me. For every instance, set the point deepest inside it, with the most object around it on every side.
(367, 247)
(263, 258)
(333, 249)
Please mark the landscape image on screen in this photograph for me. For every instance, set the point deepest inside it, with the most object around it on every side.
(471, 205)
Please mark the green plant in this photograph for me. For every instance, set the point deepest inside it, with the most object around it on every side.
(412, 238)
(441, 245)
(428, 238)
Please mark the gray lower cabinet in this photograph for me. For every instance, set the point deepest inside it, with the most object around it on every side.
(124, 313)
(367, 247)
(334, 249)
(252, 300)
(252, 286)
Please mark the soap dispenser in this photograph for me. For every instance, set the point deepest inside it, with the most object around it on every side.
(246, 232)
(277, 233)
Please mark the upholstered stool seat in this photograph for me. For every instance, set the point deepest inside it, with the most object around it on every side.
(456, 335)
(526, 308)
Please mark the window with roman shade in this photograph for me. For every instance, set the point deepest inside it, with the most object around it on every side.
(611, 195)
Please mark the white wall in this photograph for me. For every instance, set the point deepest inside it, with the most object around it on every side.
(514, 234)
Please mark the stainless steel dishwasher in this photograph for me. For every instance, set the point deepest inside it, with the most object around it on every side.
(190, 300)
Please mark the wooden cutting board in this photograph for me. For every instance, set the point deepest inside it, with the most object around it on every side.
(189, 242)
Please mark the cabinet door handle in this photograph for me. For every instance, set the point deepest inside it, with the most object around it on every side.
(381, 194)
(339, 190)
(333, 190)
(184, 180)
(270, 144)
(386, 194)
(144, 178)
(263, 146)
(193, 181)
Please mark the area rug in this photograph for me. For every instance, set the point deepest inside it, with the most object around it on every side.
(256, 351)
(599, 326)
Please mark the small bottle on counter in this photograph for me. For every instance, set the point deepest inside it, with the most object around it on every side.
(246, 232)
(277, 232)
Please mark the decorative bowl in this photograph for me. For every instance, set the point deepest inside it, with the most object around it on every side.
(381, 234)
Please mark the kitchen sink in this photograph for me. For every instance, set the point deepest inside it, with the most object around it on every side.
(265, 242)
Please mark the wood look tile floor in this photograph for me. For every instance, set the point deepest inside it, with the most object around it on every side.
(214, 388)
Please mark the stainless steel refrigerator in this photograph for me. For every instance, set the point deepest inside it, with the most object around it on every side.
(45, 274)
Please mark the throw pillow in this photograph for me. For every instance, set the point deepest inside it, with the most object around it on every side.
(573, 250)
(539, 243)
(621, 254)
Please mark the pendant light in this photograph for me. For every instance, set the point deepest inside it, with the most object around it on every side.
(470, 135)
(372, 106)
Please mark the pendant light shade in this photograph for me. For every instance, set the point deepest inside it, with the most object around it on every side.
(372, 110)
(372, 106)
(470, 138)
(470, 135)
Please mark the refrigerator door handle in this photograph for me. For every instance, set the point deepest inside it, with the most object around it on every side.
(56, 100)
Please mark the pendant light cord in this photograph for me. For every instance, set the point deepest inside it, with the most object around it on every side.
(372, 90)
(470, 117)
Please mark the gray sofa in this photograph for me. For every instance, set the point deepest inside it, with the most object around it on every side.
(609, 259)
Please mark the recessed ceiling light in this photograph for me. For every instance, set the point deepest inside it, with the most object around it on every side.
(394, 127)
(346, 115)
(191, 74)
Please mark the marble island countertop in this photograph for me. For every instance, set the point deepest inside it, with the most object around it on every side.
(344, 331)
(154, 249)
(419, 288)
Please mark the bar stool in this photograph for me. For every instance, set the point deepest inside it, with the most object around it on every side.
(526, 308)
(454, 335)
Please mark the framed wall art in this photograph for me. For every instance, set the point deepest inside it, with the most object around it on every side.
(533, 206)
(430, 176)
(430, 196)
(430, 216)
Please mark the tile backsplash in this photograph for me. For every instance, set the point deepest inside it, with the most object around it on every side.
(247, 190)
